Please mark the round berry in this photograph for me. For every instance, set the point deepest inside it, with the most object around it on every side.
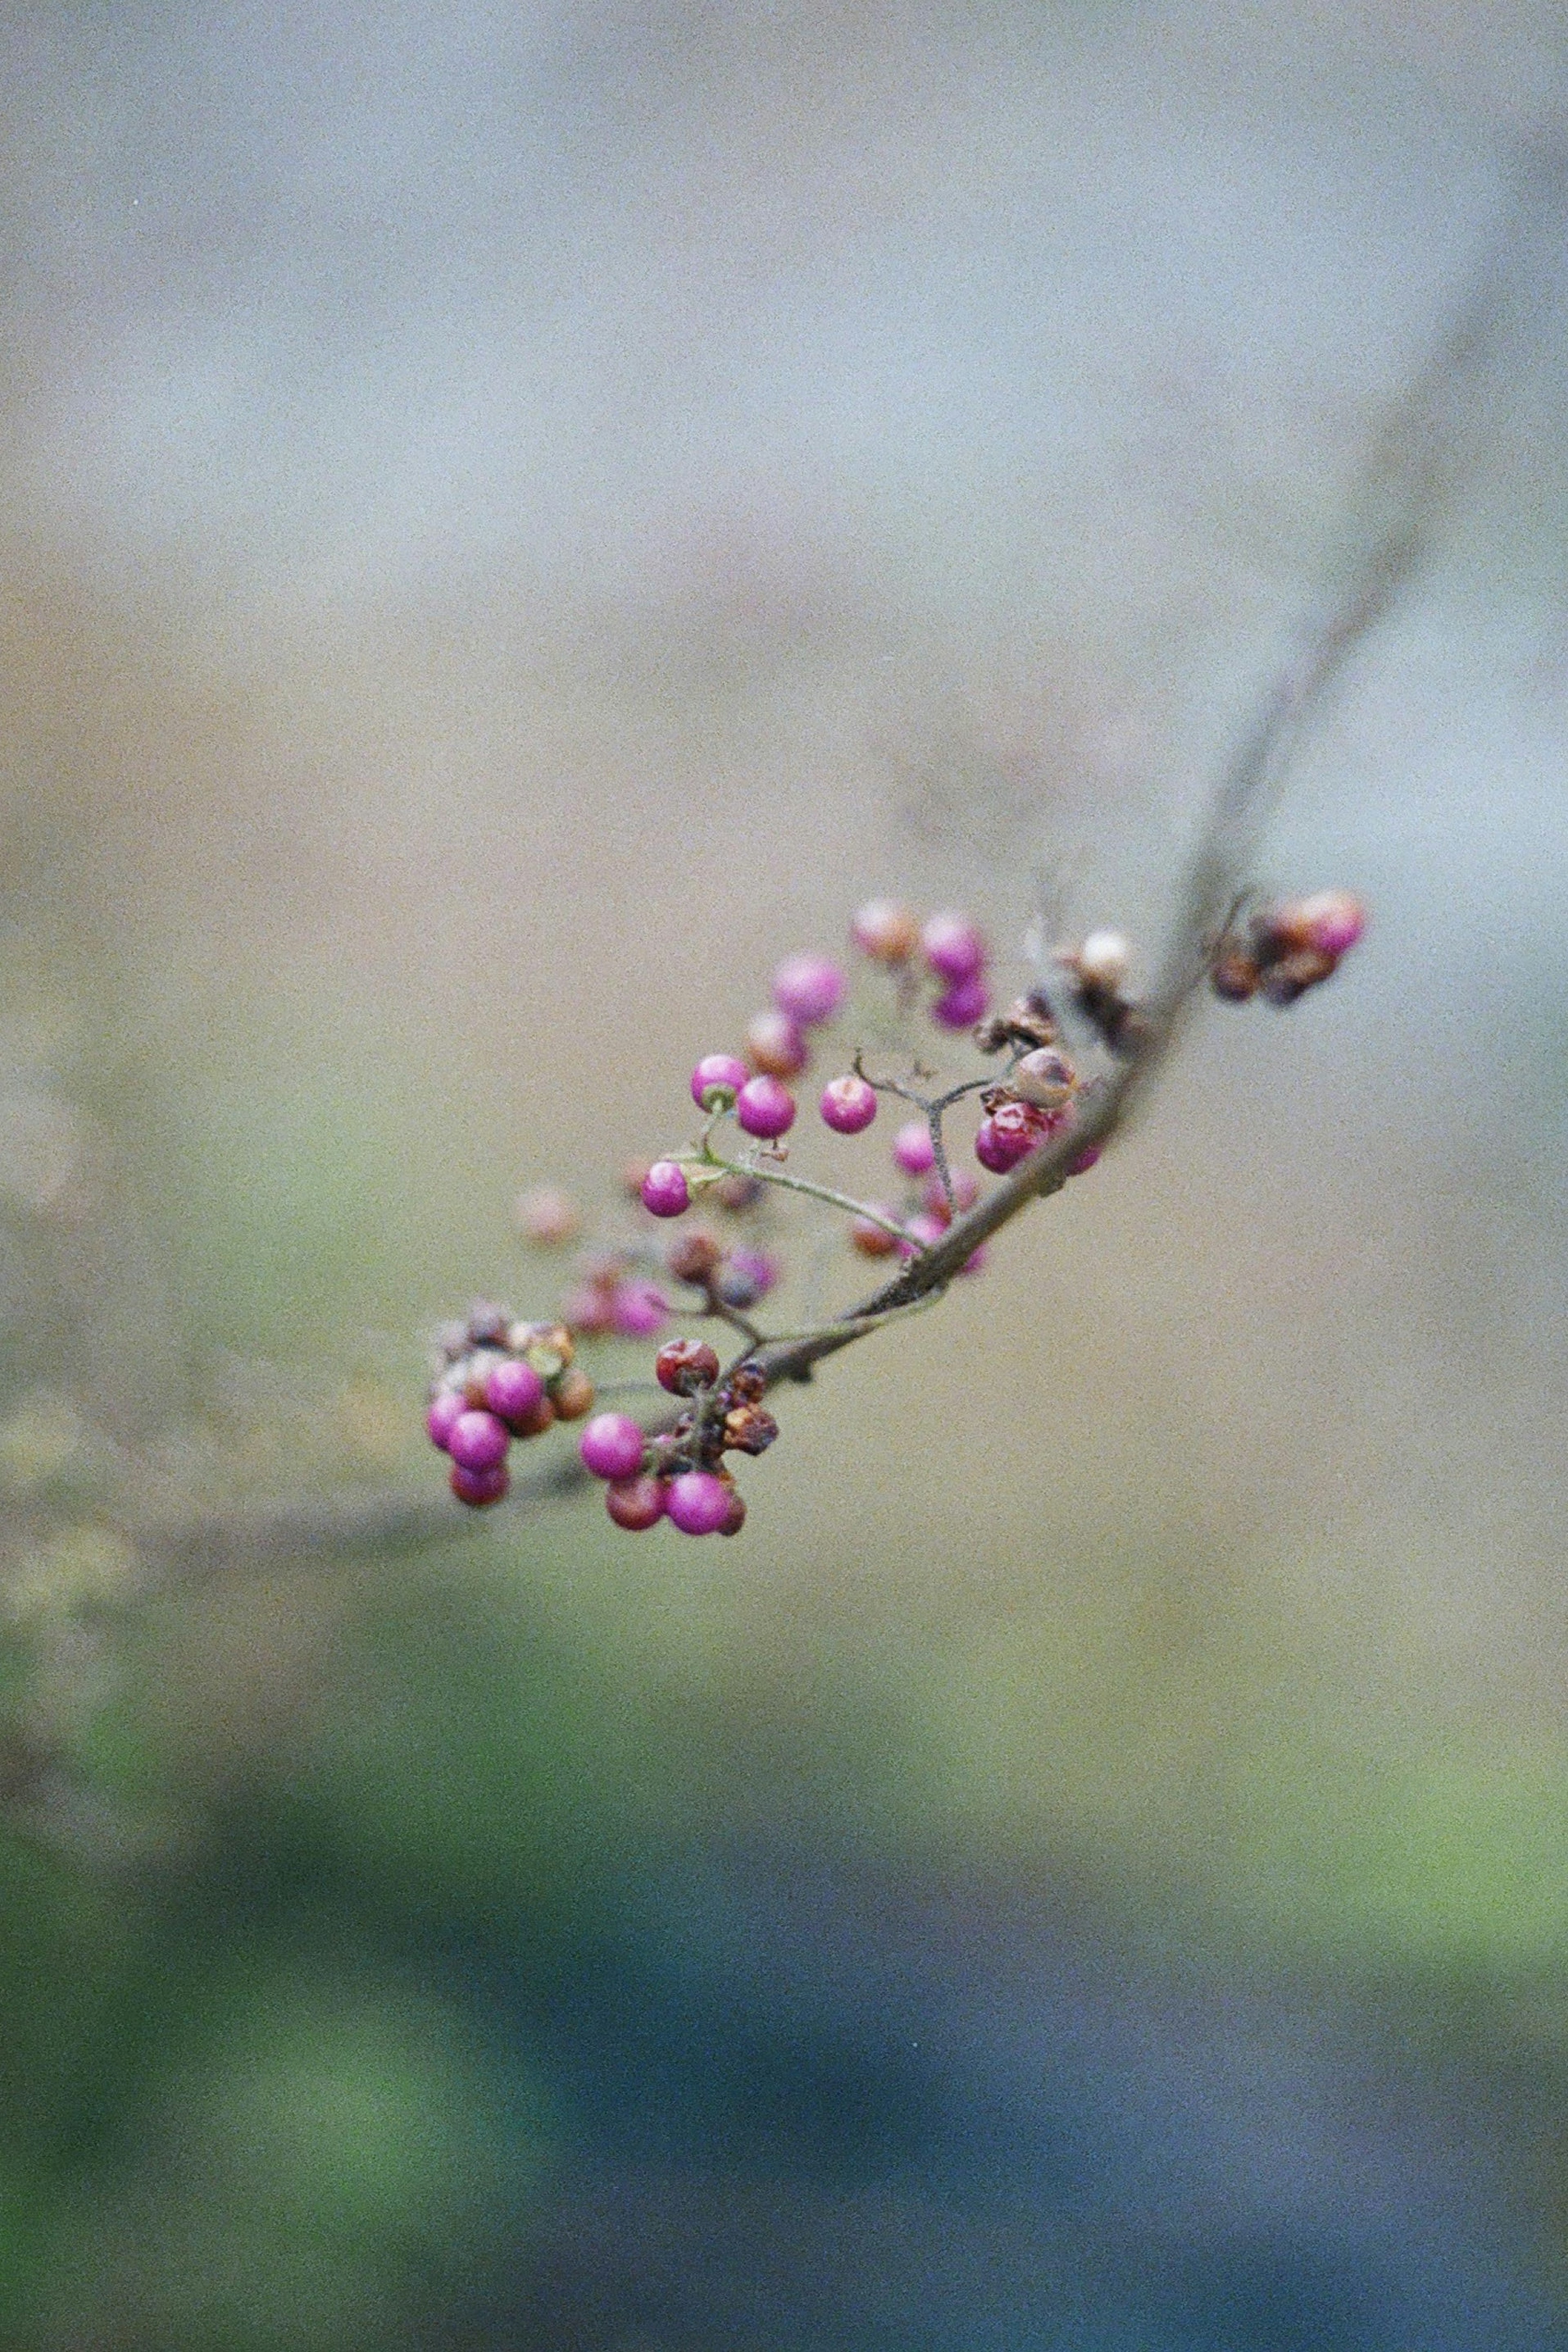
(635, 1503)
(1103, 961)
(683, 1365)
(638, 1309)
(848, 1105)
(612, 1446)
(1083, 1160)
(737, 1193)
(1331, 921)
(514, 1391)
(765, 1108)
(588, 1307)
(775, 1045)
(1044, 1076)
(478, 1487)
(733, 1518)
(913, 1148)
(955, 947)
(446, 1409)
(962, 1004)
(478, 1441)
(1000, 1149)
(716, 1080)
(925, 1229)
(870, 1239)
(808, 988)
(885, 931)
(698, 1502)
(748, 1274)
(548, 1218)
(666, 1193)
(572, 1394)
(693, 1257)
(966, 1193)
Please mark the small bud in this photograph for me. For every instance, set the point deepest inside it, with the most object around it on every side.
(885, 931)
(749, 1428)
(548, 1218)
(683, 1365)
(1292, 975)
(692, 1257)
(1234, 975)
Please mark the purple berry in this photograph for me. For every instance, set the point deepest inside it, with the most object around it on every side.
(666, 1193)
(638, 1309)
(765, 1108)
(717, 1077)
(848, 1105)
(698, 1503)
(746, 1275)
(808, 988)
(446, 1409)
(514, 1391)
(913, 1148)
(611, 1446)
(955, 947)
(635, 1503)
(478, 1487)
(1000, 1148)
(478, 1441)
(962, 1004)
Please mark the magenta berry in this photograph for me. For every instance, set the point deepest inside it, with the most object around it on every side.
(666, 1193)
(955, 948)
(1000, 1149)
(913, 1148)
(698, 1502)
(478, 1487)
(1331, 922)
(848, 1105)
(963, 1003)
(808, 988)
(635, 1503)
(478, 1441)
(925, 1228)
(746, 1275)
(446, 1409)
(611, 1446)
(1083, 1160)
(885, 931)
(515, 1392)
(966, 1193)
(776, 1045)
(638, 1309)
(716, 1080)
(765, 1108)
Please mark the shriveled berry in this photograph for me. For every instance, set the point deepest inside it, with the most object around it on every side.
(848, 1105)
(611, 1446)
(765, 1108)
(913, 1148)
(478, 1487)
(698, 1502)
(955, 948)
(548, 1218)
(734, 1518)
(885, 931)
(683, 1365)
(808, 988)
(666, 1193)
(638, 1309)
(870, 1239)
(962, 1003)
(447, 1407)
(572, 1394)
(716, 1080)
(514, 1391)
(747, 1384)
(478, 1440)
(776, 1045)
(1292, 975)
(749, 1428)
(635, 1503)
(693, 1257)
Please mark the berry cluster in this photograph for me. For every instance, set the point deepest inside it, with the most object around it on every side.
(1288, 947)
(500, 1380)
(679, 1474)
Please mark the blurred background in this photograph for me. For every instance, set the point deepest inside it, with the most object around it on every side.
(512, 519)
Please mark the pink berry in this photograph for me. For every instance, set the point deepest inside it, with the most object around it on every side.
(955, 947)
(925, 1229)
(765, 1108)
(746, 1275)
(666, 1193)
(962, 1004)
(808, 988)
(1331, 922)
(999, 1149)
(478, 1487)
(885, 931)
(638, 1309)
(776, 1045)
(611, 1446)
(718, 1079)
(966, 1193)
(514, 1391)
(635, 1503)
(848, 1105)
(913, 1148)
(478, 1441)
(446, 1409)
(698, 1503)
(588, 1310)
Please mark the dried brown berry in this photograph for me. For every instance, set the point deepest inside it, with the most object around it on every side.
(1292, 975)
(693, 1257)
(685, 1366)
(572, 1394)
(747, 1384)
(749, 1428)
(1234, 975)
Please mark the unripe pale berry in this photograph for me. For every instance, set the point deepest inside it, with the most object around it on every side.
(666, 1193)
(913, 1148)
(963, 1003)
(765, 1108)
(718, 1079)
(611, 1446)
(446, 1409)
(683, 1365)
(848, 1105)
(638, 1309)
(885, 931)
(808, 988)
(635, 1503)
(548, 1218)
(776, 1045)
(478, 1441)
(514, 1391)
(955, 947)
(478, 1487)
(1103, 960)
(698, 1502)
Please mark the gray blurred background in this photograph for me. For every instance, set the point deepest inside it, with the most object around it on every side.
(513, 518)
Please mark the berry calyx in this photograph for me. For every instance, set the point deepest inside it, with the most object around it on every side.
(612, 1446)
(478, 1487)
(666, 1193)
(808, 988)
(635, 1503)
(698, 1502)
(776, 1045)
(885, 931)
(716, 1080)
(478, 1440)
(764, 1107)
(955, 948)
(848, 1105)
(683, 1365)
